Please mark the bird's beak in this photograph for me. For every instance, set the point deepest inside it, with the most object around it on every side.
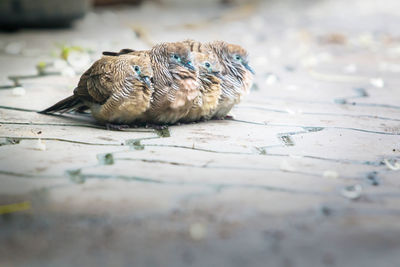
(246, 65)
(146, 80)
(217, 74)
(190, 66)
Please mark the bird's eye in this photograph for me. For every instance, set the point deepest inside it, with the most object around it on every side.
(207, 65)
(176, 57)
(137, 69)
(237, 57)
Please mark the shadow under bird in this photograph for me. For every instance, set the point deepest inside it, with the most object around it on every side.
(117, 90)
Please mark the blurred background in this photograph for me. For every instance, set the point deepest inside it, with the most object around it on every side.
(307, 174)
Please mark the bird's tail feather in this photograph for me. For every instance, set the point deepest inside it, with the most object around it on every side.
(65, 105)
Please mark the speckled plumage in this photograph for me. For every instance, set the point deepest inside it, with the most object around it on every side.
(209, 68)
(175, 84)
(237, 78)
(113, 89)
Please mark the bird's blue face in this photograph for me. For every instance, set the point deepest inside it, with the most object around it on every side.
(237, 58)
(141, 76)
(183, 61)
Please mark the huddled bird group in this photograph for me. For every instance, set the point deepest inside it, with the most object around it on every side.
(184, 81)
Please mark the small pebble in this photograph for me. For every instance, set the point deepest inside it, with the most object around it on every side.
(351, 68)
(197, 231)
(330, 174)
(285, 166)
(18, 91)
(394, 167)
(68, 72)
(352, 191)
(40, 145)
(271, 79)
(377, 82)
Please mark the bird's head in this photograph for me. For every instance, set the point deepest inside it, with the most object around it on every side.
(238, 56)
(141, 67)
(207, 63)
(179, 55)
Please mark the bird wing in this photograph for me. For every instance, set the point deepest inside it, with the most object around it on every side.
(96, 83)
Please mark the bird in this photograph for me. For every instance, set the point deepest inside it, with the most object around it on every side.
(210, 89)
(175, 83)
(117, 90)
(236, 75)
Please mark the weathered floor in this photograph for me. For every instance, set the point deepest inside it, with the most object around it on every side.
(306, 175)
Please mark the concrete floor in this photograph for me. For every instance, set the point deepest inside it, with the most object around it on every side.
(306, 175)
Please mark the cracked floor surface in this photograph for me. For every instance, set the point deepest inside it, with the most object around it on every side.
(306, 174)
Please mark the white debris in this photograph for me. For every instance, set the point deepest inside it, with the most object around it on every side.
(393, 167)
(271, 79)
(14, 48)
(330, 174)
(309, 62)
(292, 87)
(68, 72)
(60, 64)
(275, 52)
(257, 22)
(352, 192)
(285, 166)
(387, 66)
(260, 61)
(78, 60)
(18, 91)
(35, 144)
(377, 82)
(351, 68)
(197, 231)
(40, 145)
(294, 112)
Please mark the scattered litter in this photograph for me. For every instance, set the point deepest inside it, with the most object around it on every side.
(18, 91)
(41, 67)
(387, 66)
(294, 112)
(341, 101)
(361, 92)
(75, 176)
(377, 82)
(9, 141)
(351, 68)
(334, 38)
(197, 231)
(309, 62)
(68, 72)
(260, 61)
(330, 174)
(287, 140)
(292, 87)
(285, 166)
(40, 145)
(394, 167)
(105, 159)
(59, 64)
(163, 132)
(275, 52)
(135, 144)
(352, 191)
(271, 79)
(372, 178)
(325, 210)
(78, 60)
(14, 48)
